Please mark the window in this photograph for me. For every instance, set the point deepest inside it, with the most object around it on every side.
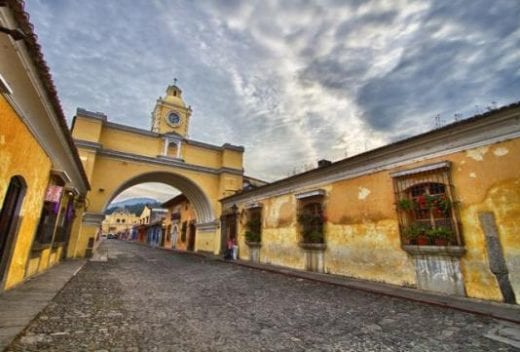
(48, 219)
(425, 206)
(253, 225)
(311, 217)
(172, 150)
(118, 221)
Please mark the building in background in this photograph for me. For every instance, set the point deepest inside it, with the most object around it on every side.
(119, 222)
(438, 211)
(42, 181)
(180, 224)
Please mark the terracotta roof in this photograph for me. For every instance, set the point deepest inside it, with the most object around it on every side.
(34, 49)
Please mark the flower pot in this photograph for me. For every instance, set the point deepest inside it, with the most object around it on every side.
(441, 242)
(423, 241)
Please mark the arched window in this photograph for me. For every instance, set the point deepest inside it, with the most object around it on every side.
(425, 206)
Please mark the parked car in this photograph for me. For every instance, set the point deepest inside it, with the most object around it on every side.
(111, 236)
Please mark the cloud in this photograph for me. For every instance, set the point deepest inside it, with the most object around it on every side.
(294, 81)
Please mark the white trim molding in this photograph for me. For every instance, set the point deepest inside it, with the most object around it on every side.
(309, 194)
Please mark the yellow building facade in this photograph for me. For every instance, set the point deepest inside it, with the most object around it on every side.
(42, 182)
(460, 182)
(179, 224)
(120, 221)
(117, 157)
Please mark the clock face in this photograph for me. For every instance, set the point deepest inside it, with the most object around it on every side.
(173, 119)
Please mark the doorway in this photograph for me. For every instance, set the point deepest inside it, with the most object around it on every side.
(191, 240)
(9, 219)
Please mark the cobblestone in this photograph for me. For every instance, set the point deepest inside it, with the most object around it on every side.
(145, 299)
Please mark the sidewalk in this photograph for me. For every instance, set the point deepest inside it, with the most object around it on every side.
(20, 305)
(502, 311)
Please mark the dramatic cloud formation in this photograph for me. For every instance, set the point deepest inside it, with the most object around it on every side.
(159, 191)
(292, 81)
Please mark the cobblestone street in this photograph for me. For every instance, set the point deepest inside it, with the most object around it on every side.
(145, 299)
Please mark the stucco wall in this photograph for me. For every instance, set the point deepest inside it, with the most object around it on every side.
(362, 234)
(22, 155)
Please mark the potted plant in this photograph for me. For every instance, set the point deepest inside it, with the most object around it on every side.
(440, 236)
(416, 234)
(406, 204)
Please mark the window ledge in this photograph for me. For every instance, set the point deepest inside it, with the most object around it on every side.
(254, 244)
(38, 247)
(447, 251)
(313, 246)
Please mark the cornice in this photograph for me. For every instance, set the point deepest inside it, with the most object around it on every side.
(214, 147)
(475, 132)
(87, 144)
(166, 162)
(125, 128)
(94, 115)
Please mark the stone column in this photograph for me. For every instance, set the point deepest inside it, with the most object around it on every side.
(497, 264)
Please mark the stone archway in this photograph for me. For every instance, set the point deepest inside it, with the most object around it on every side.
(199, 200)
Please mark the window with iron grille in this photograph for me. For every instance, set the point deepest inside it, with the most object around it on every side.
(426, 206)
(311, 217)
(253, 224)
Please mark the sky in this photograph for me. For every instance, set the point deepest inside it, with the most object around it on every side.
(291, 81)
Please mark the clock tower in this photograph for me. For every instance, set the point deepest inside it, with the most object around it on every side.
(171, 113)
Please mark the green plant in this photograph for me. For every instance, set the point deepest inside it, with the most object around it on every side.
(252, 236)
(414, 230)
(440, 232)
(253, 229)
(444, 204)
(406, 204)
(438, 201)
(312, 227)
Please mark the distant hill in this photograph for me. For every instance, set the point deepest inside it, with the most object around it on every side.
(133, 205)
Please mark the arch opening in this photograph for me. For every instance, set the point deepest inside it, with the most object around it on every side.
(201, 204)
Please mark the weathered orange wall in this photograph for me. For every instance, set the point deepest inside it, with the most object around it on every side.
(362, 234)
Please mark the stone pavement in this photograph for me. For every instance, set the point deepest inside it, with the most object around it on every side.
(143, 299)
(19, 306)
(497, 310)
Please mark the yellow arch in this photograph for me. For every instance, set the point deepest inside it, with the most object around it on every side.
(116, 157)
(197, 197)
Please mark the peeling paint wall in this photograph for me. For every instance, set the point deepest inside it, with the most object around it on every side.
(20, 154)
(362, 232)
